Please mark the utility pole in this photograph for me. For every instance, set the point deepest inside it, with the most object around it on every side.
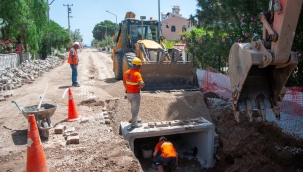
(69, 10)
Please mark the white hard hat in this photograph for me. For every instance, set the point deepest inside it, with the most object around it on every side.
(76, 43)
(162, 138)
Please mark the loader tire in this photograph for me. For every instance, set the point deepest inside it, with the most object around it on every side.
(118, 67)
(127, 60)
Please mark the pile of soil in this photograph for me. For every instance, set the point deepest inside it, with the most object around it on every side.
(252, 146)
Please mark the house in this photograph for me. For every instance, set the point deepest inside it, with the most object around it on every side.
(175, 22)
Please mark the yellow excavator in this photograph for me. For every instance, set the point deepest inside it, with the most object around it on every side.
(162, 69)
(260, 69)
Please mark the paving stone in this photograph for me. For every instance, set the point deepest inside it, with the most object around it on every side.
(72, 140)
(107, 121)
(151, 124)
(162, 124)
(175, 122)
(59, 129)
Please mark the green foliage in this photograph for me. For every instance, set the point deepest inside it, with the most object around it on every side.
(224, 22)
(54, 36)
(76, 36)
(169, 44)
(100, 29)
(26, 18)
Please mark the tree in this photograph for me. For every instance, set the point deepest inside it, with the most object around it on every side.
(100, 29)
(54, 36)
(76, 36)
(25, 18)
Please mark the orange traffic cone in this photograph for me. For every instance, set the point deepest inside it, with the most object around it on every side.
(35, 155)
(72, 110)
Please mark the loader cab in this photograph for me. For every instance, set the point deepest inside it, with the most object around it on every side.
(132, 31)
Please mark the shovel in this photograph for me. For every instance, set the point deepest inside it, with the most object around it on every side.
(39, 106)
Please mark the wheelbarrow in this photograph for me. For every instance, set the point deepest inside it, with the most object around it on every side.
(42, 116)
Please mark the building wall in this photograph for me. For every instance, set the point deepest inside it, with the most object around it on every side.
(173, 20)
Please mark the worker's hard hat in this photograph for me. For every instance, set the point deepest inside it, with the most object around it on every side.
(162, 138)
(76, 43)
(136, 61)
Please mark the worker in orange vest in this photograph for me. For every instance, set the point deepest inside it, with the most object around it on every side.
(133, 84)
(73, 60)
(168, 155)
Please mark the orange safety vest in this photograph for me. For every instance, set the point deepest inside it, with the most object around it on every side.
(132, 77)
(167, 149)
(70, 59)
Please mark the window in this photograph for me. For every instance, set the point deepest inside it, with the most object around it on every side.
(173, 28)
(183, 28)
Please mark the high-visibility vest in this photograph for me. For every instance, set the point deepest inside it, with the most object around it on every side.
(132, 77)
(70, 59)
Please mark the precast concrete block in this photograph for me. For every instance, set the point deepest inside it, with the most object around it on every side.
(201, 135)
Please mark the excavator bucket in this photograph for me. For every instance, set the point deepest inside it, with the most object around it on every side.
(254, 87)
(259, 70)
(168, 76)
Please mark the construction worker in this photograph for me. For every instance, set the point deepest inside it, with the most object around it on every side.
(73, 60)
(133, 84)
(168, 155)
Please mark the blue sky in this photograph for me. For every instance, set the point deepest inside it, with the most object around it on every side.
(87, 13)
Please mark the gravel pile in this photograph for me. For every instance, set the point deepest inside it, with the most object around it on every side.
(12, 78)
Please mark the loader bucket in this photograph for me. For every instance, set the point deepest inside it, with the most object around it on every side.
(169, 76)
(255, 85)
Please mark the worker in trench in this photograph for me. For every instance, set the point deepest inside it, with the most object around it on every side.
(168, 155)
(133, 84)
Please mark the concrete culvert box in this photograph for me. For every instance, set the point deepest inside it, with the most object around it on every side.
(193, 139)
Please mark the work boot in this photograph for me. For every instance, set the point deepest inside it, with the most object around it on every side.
(133, 127)
(138, 120)
(76, 85)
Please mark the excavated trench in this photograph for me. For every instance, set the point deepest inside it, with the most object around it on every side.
(257, 146)
(180, 116)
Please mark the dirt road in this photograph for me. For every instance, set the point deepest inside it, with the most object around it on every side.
(99, 147)
(243, 146)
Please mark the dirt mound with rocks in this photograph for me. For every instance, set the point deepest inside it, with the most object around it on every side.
(254, 146)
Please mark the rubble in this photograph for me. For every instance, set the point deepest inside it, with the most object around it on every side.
(25, 73)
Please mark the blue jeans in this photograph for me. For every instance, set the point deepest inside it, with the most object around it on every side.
(74, 73)
(169, 161)
(134, 100)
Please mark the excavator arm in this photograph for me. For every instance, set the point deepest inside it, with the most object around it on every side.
(260, 69)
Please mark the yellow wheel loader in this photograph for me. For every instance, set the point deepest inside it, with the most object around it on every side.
(260, 69)
(161, 71)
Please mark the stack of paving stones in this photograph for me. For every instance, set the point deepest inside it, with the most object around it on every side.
(72, 136)
(69, 133)
(12, 78)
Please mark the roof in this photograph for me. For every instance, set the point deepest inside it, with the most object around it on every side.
(175, 15)
(179, 46)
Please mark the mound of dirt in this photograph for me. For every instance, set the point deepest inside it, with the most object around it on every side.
(156, 107)
(253, 146)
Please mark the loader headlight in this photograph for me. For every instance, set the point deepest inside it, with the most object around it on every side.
(128, 36)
